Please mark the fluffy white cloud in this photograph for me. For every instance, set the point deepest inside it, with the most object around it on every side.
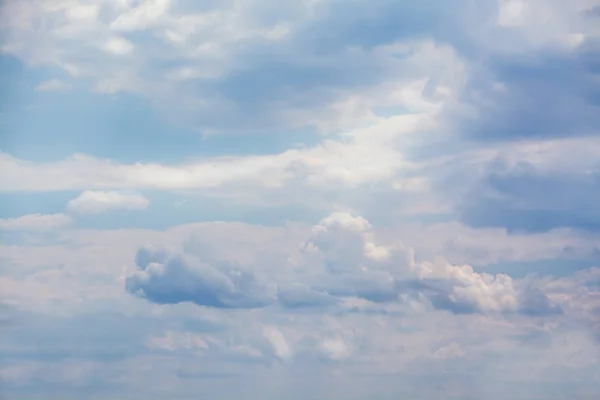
(93, 202)
(118, 46)
(35, 222)
(280, 346)
(341, 259)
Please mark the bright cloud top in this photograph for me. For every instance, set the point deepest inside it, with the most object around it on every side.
(93, 202)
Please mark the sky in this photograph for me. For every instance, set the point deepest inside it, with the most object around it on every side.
(300, 200)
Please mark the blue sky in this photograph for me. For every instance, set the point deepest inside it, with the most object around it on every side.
(312, 199)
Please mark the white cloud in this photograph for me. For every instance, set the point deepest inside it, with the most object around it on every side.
(118, 46)
(342, 258)
(208, 43)
(511, 12)
(53, 85)
(280, 345)
(361, 338)
(330, 164)
(336, 349)
(142, 16)
(94, 202)
(453, 350)
(35, 222)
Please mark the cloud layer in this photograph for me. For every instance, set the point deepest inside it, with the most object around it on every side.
(236, 198)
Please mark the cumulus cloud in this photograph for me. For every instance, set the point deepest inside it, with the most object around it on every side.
(94, 202)
(35, 222)
(118, 46)
(342, 259)
(486, 111)
(171, 278)
(281, 348)
(357, 265)
(212, 80)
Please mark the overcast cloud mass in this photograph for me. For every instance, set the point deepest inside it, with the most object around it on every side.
(300, 200)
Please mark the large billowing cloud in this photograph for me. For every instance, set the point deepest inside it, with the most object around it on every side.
(340, 260)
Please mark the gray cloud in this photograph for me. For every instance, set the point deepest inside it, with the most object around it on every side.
(171, 278)
(341, 260)
(525, 198)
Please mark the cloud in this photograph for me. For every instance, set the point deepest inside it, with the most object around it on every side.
(94, 202)
(327, 165)
(455, 138)
(172, 341)
(356, 337)
(341, 259)
(297, 295)
(53, 85)
(230, 66)
(35, 222)
(279, 343)
(169, 279)
(540, 191)
(118, 46)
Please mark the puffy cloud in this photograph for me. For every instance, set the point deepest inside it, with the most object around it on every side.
(281, 348)
(212, 79)
(341, 259)
(355, 337)
(93, 202)
(35, 222)
(168, 279)
(118, 46)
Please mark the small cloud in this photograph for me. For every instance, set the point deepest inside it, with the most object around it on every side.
(118, 46)
(336, 349)
(280, 345)
(53, 85)
(94, 202)
(453, 350)
(511, 13)
(35, 222)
